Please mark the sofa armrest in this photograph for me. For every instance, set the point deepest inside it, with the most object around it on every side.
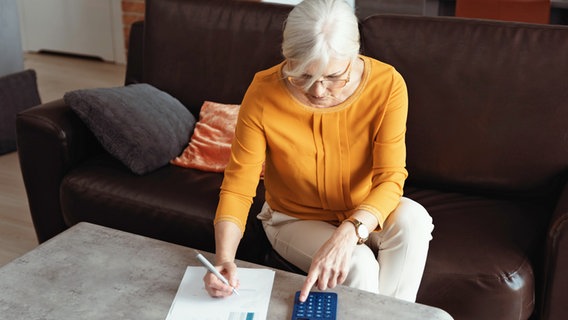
(51, 140)
(556, 279)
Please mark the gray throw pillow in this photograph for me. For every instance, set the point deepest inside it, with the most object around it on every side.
(139, 125)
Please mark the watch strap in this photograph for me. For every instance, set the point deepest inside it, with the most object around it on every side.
(357, 224)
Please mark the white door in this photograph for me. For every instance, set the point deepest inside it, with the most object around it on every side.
(85, 27)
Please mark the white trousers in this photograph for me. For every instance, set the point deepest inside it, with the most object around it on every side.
(391, 262)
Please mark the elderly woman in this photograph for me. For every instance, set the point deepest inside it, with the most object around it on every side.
(329, 124)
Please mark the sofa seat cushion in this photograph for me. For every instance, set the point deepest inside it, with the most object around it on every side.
(173, 204)
(481, 253)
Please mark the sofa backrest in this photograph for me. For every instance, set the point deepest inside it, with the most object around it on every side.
(210, 49)
(488, 101)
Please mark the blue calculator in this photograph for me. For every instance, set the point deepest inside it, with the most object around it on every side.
(318, 305)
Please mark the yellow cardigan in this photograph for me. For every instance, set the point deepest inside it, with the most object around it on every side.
(321, 163)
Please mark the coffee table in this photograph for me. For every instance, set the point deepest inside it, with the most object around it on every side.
(93, 272)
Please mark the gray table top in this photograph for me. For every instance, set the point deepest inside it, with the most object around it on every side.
(93, 272)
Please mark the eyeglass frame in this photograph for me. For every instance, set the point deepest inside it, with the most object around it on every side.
(345, 81)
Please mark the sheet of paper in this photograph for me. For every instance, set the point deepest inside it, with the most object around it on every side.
(192, 302)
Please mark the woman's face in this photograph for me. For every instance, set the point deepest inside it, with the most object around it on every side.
(327, 90)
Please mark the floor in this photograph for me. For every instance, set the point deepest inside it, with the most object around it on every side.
(56, 74)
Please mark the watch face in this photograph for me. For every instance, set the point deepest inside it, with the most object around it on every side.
(363, 232)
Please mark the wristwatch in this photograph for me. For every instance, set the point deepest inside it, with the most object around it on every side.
(360, 229)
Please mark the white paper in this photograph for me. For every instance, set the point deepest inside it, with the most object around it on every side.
(192, 302)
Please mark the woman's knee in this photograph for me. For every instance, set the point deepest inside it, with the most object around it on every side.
(412, 217)
(364, 270)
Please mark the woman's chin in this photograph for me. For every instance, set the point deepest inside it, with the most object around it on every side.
(320, 102)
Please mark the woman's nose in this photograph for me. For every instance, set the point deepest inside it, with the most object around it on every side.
(318, 89)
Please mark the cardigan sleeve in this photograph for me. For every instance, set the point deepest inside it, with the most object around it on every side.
(245, 164)
(389, 155)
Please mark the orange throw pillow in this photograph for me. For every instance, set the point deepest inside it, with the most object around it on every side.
(210, 146)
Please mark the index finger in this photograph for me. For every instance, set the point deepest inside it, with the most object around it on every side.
(308, 284)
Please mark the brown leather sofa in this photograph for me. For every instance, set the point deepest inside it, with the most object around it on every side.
(487, 147)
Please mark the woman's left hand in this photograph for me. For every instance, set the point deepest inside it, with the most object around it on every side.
(331, 262)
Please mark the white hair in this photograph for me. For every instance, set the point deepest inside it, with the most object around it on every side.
(318, 30)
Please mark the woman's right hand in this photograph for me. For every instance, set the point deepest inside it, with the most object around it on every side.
(215, 287)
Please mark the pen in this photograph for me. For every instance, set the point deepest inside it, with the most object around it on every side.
(213, 270)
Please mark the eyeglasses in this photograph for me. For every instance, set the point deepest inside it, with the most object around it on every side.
(332, 82)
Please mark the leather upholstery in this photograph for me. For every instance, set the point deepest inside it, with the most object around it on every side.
(474, 89)
(487, 147)
(219, 46)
